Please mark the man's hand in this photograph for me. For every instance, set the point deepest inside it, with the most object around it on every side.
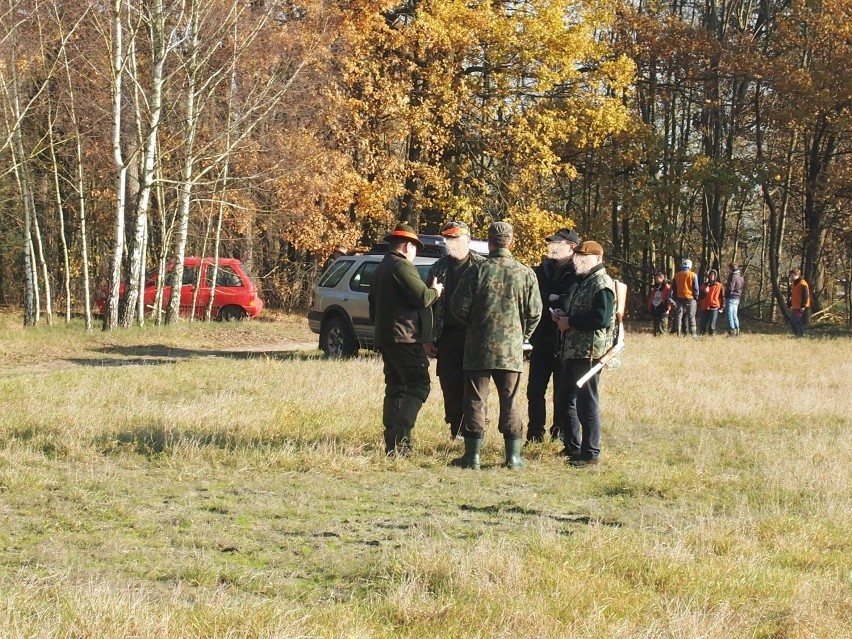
(437, 286)
(431, 349)
(562, 323)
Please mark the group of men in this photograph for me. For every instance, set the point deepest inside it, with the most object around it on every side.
(475, 314)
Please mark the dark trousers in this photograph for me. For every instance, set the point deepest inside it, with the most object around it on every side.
(407, 386)
(451, 375)
(708, 321)
(477, 385)
(660, 316)
(580, 409)
(544, 364)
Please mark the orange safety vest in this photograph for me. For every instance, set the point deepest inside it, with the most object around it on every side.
(800, 295)
(683, 284)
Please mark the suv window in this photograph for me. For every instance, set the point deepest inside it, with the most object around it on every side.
(226, 276)
(363, 277)
(335, 273)
(190, 275)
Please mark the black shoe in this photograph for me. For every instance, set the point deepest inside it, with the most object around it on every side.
(535, 438)
(582, 462)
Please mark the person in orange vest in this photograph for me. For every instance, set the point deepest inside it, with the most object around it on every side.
(659, 302)
(685, 292)
(799, 302)
(711, 302)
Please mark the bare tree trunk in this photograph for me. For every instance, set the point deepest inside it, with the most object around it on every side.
(160, 51)
(111, 313)
(185, 196)
(60, 210)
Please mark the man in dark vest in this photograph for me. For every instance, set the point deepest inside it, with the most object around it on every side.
(498, 301)
(588, 330)
(400, 310)
(556, 281)
(448, 333)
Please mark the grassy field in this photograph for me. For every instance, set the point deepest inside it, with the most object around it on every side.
(223, 481)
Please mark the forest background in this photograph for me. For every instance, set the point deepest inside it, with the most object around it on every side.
(137, 132)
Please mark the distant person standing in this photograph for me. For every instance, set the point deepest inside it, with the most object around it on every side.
(336, 253)
(734, 288)
(711, 302)
(449, 332)
(685, 292)
(799, 302)
(659, 302)
(399, 309)
(556, 280)
(588, 331)
(499, 302)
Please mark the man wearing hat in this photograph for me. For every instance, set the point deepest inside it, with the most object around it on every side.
(588, 330)
(399, 309)
(448, 333)
(556, 280)
(685, 292)
(498, 301)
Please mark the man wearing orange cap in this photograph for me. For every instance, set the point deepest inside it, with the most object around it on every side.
(402, 318)
(447, 331)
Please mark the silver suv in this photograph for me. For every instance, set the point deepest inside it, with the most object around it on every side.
(340, 311)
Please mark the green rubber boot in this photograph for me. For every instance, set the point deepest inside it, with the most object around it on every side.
(513, 454)
(470, 459)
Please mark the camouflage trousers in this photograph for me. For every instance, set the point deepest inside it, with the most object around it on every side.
(407, 386)
(477, 385)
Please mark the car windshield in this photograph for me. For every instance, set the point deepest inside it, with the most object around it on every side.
(335, 273)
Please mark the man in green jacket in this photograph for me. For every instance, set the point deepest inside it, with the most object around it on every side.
(588, 331)
(448, 332)
(499, 302)
(402, 319)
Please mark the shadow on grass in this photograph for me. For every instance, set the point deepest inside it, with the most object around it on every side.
(158, 354)
(514, 509)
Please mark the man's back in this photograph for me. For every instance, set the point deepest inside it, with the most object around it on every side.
(499, 302)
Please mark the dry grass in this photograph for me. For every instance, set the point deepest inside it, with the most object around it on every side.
(216, 481)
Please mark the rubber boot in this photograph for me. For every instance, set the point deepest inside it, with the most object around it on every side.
(513, 454)
(472, 450)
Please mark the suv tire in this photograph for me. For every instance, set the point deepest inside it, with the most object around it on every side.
(337, 339)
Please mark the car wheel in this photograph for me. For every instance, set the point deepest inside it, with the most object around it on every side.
(232, 314)
(337, 340)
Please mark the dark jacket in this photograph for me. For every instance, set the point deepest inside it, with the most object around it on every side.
(399, 303)
(448, 271)
(552, 280)
(735, 285)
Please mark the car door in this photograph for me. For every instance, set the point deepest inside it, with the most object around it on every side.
(230, 288)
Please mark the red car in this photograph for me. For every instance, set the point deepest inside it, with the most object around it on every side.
(236, 295)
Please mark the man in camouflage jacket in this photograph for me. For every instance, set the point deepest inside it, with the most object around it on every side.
(499, 302)
(399, 308)
(588, 330)
(448, 332)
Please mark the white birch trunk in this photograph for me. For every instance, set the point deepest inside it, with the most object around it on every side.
(111, 312)
(160, 51)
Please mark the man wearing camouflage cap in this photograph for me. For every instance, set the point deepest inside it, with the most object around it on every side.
(499, 302)
(448, 333)
(399, 309)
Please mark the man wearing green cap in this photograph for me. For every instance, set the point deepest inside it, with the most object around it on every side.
(498, 300)
(447, 331)
(402, 319)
